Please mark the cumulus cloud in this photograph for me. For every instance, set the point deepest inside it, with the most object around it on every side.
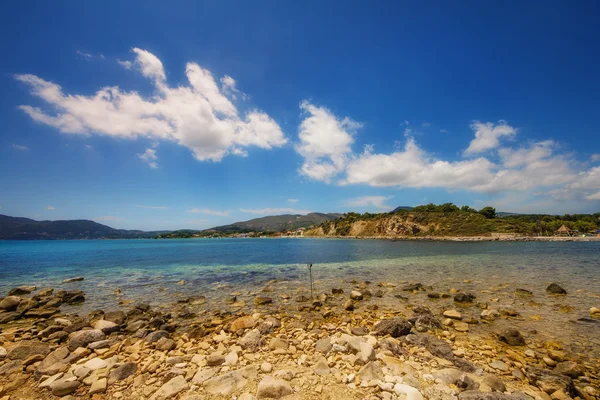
(487, 136)
(274, 211)
(198, 116)
(325, 142)
(20, 147)
(209, 212)
(150, 157)
(595, 157)
(50, 208)
(366, 201)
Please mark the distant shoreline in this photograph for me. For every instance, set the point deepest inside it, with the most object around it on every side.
(468, 238)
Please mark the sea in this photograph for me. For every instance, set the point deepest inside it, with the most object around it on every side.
(159, 272)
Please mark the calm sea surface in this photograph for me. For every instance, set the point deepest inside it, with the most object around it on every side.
(148, 270)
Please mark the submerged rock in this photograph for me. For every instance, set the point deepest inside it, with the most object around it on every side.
(512, 337)
(395, 327)
(76, 279)
(555, 289)
(464, 297)
(21, 290)
(523, 292)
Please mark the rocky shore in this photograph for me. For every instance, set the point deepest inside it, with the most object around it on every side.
(342, 344)
(471, 238)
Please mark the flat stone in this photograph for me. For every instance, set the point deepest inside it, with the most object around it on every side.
(83, 338)
(99, 386)
(226, 384)
(171, 388)
(27, 348)
(271, 388)
(203, 375)
(215, 359)
(321, 367)
(371, 371)
(21, 290)
(246, 322)
(448, 375)
(53, 363)
(122, 372)
(453, 314)
(153, 337)
(323, 345)
(499, 365)
(512, 337)
(63, 388)
(105, 326)
(460, 326)
(95, 363)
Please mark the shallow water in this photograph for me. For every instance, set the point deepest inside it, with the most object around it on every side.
(147, 270)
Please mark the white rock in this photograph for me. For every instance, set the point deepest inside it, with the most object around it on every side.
(170, 389)
(2, 353)
(95, 363)
(231, 358)
(266, 367)
(410, 392)
(203, 375)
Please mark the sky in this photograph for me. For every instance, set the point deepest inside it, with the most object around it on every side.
(167, 115)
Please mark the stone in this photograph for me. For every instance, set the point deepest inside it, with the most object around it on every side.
(356, 295)
(425, 323)
(8, 316)
(26, 348)
(33, 359)
(10, 367)
(153, 337)
(512, 337)
(453, 314)
(554, 288)
(215, 359)
(337, 291)
(266, 367)
(83, 338)
(118, 317)
(165, 344)
(252, 340)
(53, 363)
(394, 327)
(371, 371)
(359, 330)
(226, 384)
(499, 365)
(63, 388)
(323, 345)
(231, 358)
(595, 311)
(246, 396)
(462, 297)
(122, 372)
(98, 386)
(203, 375)
(171, 388)
(277, 343)
(3, 353)
(10, 303)
(366, 353)
(349, 305)
(21, 290)
(489, 314)
(494, 383)
(321, 367)
(460, 326)
(570, 369)
(262, 300)
(71, 280)
(49, 381)
(95, 363)
(271, 388)
(477, 395)
(548, 381)
(448, 375)
(105, 326)
(523, 293)
(101, 344)
(410, 392)
(246, 322)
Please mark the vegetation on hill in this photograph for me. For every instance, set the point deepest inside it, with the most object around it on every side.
(277, 223)
(451, 220)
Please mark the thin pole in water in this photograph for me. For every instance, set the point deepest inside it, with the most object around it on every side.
(311, 280)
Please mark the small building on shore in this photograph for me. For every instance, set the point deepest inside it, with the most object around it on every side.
(564, 231)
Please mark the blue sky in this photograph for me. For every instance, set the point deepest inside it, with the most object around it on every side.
(153, 115)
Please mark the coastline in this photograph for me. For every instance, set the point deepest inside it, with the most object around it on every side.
(466, 238)
(347, 342)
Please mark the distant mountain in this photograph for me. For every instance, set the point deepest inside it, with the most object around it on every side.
(277, 223)
(29, 229)
(402, 208)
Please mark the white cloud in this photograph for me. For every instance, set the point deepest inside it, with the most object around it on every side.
(325, 142)
(209, 212)
(198, 116)
(293, 201)
(412, 167)
(152, 207)
(487, 136)
(20, 147)
(228, 86)
(125, 64)
(368, 201)
(150, 157)
(274, 211)
(89, 147)
(85, 56)
(50, 208)
(595, 157)
(595, 196)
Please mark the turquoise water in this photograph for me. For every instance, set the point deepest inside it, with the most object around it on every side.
(148, 270)
(140, 267)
